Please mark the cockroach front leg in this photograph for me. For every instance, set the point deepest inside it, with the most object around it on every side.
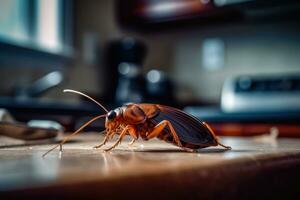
(131, 142)
(109, 135)
(123, 133)
(103, 142)
(160, 127)
(128, 129)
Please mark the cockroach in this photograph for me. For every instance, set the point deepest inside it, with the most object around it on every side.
(148, 121)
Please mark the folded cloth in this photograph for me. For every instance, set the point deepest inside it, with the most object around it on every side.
(9, 127)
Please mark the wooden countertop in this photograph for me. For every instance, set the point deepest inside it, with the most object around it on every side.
(150, 170)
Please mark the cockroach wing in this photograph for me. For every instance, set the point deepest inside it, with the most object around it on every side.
(151, 110)
(188, 128)
(133, 114)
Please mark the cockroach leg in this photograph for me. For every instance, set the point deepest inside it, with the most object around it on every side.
(131, 142)
(222, 145)
(111, 136)
(213, 133)
(189, 150)
(103, 142)
(120, 138)
(160, 127)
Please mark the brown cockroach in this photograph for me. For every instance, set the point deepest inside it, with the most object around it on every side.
(152, 120)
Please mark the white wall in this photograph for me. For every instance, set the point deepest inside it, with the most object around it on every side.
(249, 49)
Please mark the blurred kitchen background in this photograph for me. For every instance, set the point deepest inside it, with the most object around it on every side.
(232, 63)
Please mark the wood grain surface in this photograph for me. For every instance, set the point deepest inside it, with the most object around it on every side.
(254, 168)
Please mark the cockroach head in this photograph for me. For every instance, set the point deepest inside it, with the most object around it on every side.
(111, 115)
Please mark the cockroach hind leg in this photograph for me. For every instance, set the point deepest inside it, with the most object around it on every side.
(214, 135)
(189, 150)
(222, 145)
(60, 148)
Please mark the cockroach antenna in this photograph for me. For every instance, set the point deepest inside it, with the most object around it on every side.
(73, 134)
(83, 126)
(90, 98)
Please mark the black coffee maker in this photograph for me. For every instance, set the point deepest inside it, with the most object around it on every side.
(124, 71)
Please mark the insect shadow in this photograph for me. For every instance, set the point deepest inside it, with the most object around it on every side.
(210, 150)
(160, 150)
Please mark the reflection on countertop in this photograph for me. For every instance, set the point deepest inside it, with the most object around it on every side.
(23, 168)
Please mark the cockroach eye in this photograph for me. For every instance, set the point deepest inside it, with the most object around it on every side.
(111, 115)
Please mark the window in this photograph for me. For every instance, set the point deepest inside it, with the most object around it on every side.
(39, 26)
(13, 20)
